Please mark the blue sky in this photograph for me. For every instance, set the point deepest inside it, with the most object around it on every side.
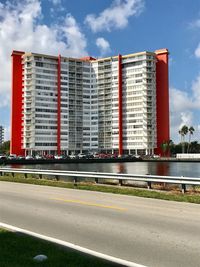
(104, 28)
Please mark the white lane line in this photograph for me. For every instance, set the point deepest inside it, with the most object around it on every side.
(72, 246)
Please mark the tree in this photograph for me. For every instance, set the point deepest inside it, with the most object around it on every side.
(183, 132)
(195, 147)
(177, 148)
(190, 130)
(5, 147)
(164, 147)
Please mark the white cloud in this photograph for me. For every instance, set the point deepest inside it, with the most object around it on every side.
(195, 24)
(103, 45)
(56, 8)
(20, 29)
(184, 107)
(115, 16)
(180, 100)
(76, 41)
(186, 118)
(196, 91)
(197, 51)
(7, 133)
(55, 2)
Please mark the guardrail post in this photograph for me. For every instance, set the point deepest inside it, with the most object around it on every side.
(148, 184)
(183, 188)
(40, 176)
(75, 181)
(57, 177)
(96, 180)
(120, 182)
(25, 175)
(13, 174)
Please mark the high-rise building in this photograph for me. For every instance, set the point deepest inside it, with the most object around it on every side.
(63, 105)
(1, 135)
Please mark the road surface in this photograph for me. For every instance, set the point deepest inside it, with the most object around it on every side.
(146, 231)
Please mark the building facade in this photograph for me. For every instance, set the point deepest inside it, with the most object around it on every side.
(1, 135)
(63, 105)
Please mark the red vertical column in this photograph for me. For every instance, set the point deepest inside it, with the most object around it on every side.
(120, 104)
(162, 98)
(58, 104)
(16, 104)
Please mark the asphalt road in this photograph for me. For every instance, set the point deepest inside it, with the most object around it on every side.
(145, 231)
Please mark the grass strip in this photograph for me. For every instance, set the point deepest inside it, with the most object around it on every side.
(17, 250)
(164, 195)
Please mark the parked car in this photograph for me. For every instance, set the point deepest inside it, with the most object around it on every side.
(114, 156)
(29, 157)
(156, 156)
(103, 156)
(128, 156)
(20, 157)
(89, 155)
(96, 155)
(81, 156)
(137, 156)
(38, 157)
(73, 156)
(49, 156)
(12, 156)
(59, 157)
(3, 157)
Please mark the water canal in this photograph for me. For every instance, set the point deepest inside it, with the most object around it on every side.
(189, 169)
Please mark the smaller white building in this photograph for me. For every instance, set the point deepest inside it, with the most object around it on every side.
(188, 156)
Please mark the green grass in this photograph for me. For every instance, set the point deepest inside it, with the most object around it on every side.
(18, 250)
(165, 195)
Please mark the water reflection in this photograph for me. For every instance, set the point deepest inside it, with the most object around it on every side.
(162, 169)
(121, 168)
(157, 168)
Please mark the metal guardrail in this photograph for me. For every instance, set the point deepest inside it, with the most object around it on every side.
(148, 178)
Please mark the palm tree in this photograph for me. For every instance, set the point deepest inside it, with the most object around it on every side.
(170, 146)
(164, 147)
(190, 130)
(183, 132)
